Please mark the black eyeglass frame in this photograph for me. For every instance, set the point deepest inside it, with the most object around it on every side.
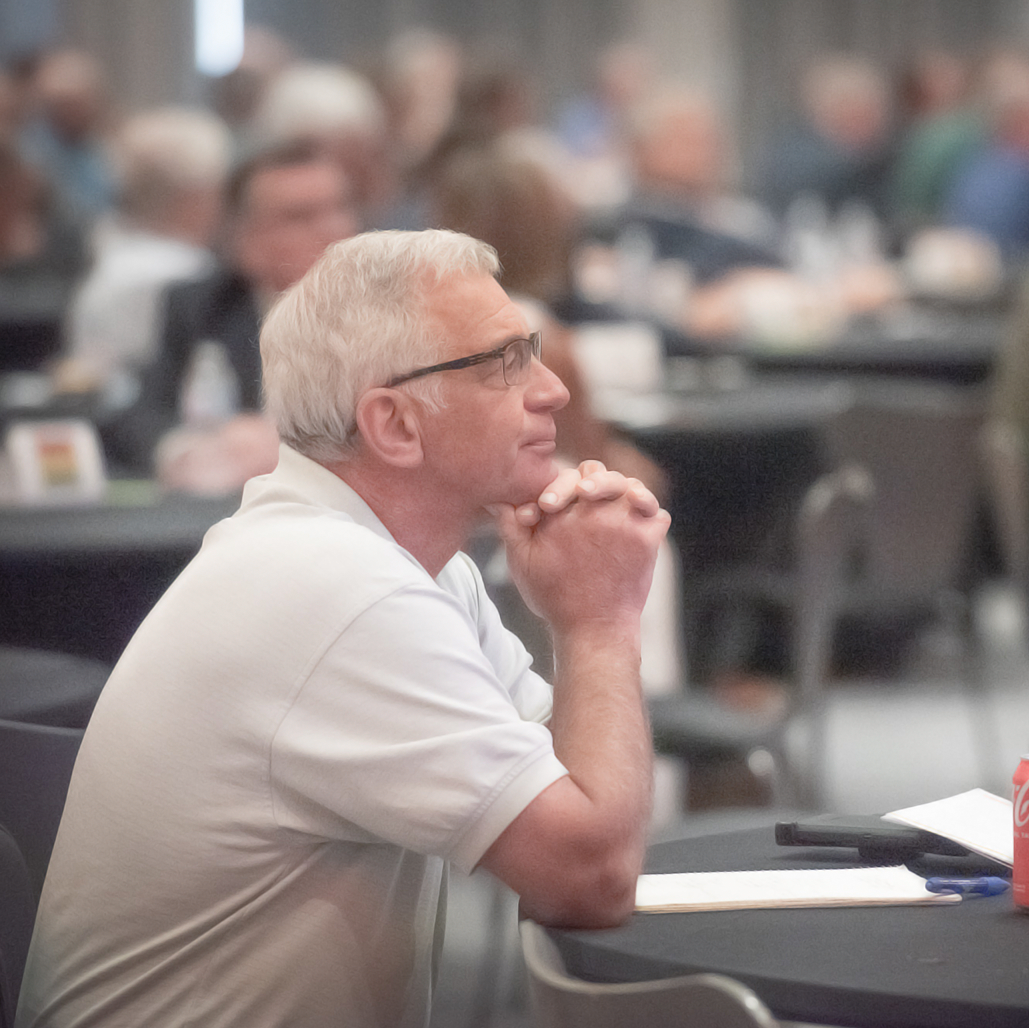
(535, 341)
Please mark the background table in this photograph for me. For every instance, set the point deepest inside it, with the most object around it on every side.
(81, 579)
(737, 459)
(955, 347)
(957, 966)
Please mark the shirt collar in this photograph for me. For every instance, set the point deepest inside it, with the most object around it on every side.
(299, 475)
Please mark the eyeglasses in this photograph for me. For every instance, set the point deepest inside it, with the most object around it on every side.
(515, 358)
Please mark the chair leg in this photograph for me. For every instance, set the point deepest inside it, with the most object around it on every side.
(498, 956)
(982, 710)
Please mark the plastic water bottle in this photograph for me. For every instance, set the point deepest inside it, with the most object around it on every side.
(210, 392)
(635, 261)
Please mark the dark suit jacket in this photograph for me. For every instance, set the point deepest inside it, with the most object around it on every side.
(221, 307)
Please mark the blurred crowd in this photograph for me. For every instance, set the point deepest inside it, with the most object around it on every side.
(139, 251)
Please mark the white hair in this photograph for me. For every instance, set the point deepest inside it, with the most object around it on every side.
(313, 99)
(353, 322)
(164, 153)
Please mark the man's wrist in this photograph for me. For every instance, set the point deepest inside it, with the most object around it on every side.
(590, 638)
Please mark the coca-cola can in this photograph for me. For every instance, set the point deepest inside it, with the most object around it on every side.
(1020, 811)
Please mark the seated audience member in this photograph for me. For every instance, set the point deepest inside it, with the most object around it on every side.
(67, 137)
(593, 126)
(172, 163)
(496, 102)
(338, 110)
(419, 80)
(840, 149)
(943, 129)
(684, 216)
(324, 711)
(681, 163)
(990, 192)
(282, 208)
(42, 257)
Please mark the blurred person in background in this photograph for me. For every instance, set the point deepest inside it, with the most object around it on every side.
(497, 102)
(989, 193)
(419, 78)
(197, 422)
(686, 243)
(67, 133)
(339, 111)
(172, 163)
(593, 126)
(43, 255)
(943, 127)
(840, 148)
(682, 176)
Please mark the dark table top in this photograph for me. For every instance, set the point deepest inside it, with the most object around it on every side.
(952, 966)
(950, 346)
(958, 350)
(146, 523)
(80, 579)
(759, 406)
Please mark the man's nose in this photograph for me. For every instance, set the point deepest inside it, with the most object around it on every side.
(545, 390)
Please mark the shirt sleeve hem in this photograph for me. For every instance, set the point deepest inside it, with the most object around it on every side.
(516, 796)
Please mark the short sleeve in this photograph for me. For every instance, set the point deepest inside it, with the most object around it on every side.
(404, 732)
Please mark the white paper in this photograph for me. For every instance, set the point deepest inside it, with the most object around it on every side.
(977, 819)
(825, 887)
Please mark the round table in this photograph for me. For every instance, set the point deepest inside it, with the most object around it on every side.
(952, 966)
(81, 579)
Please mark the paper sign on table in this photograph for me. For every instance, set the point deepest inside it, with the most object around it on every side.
(824, 887)
(978, 820)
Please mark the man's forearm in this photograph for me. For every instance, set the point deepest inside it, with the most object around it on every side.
(600, 728)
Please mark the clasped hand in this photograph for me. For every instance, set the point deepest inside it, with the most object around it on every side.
(585, 550)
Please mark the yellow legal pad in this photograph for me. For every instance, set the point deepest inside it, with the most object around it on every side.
(825, 887)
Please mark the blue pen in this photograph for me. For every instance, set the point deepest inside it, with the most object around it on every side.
(986, 886)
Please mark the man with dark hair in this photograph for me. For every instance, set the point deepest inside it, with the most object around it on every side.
(283, 207)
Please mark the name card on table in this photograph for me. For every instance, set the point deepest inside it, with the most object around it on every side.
(58, 461)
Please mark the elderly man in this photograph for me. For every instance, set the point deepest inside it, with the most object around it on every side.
(324, 710)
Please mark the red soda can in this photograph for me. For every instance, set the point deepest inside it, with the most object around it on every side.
(1020, 811)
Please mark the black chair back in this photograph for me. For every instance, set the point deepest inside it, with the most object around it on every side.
(17, 912)
(36, 763)
(42, 687)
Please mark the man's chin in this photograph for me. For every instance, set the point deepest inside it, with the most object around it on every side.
(536, 485)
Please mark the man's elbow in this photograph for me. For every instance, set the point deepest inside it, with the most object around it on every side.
(597, 893)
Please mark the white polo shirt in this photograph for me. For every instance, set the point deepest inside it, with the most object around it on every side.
(299, 736)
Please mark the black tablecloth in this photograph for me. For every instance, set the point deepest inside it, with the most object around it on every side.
(953, 966)
(960, 349)
(81, 579)
(737, 460)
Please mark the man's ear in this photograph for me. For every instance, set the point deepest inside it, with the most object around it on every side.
(389, 425)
